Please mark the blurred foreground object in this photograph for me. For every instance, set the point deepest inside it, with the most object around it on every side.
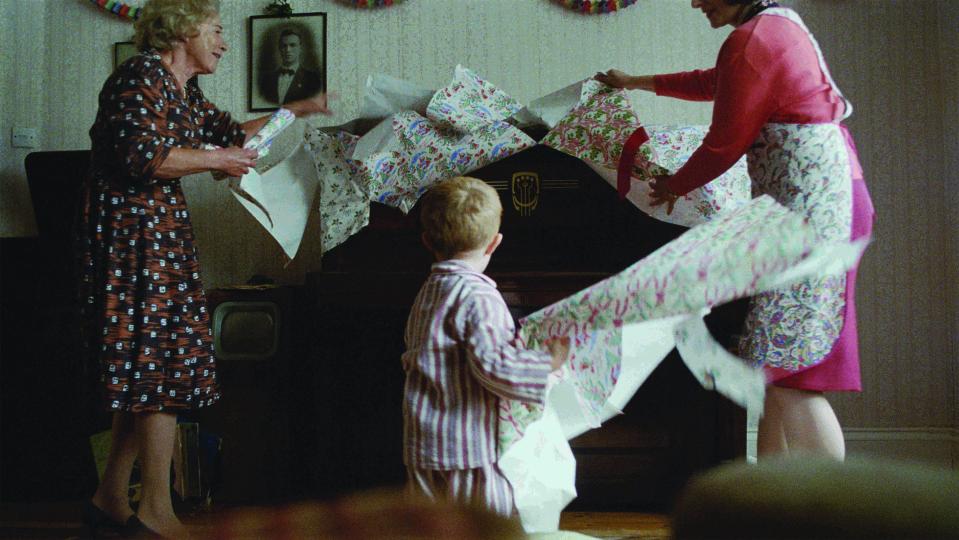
(818, 498)
(376, 514)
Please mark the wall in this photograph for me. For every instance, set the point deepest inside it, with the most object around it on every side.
(949, 52)
(895, 59)
(21, 101)
(528, 48)
(891, 59)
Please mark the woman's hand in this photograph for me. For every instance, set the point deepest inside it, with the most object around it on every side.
(660, 194)
(234, 161)
(614, 78)
(619, 79)
(559, 350)
(318, 104)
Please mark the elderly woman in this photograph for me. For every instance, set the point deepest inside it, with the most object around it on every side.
(141, 292)
(775, 101)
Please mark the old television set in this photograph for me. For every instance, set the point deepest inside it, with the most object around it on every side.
(246, 330)
(253, 344)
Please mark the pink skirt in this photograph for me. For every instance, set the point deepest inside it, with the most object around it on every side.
(839, 370)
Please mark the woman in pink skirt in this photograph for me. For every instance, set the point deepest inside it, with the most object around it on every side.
(775, 102)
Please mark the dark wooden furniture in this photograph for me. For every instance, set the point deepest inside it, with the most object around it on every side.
(577, 233)
(47, 403)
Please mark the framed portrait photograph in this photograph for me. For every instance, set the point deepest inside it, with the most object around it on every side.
(122, 50)
(287, 59)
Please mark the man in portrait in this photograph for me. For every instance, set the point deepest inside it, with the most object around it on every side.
(291, 80)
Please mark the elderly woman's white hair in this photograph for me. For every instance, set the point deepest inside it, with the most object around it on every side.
(163, 22)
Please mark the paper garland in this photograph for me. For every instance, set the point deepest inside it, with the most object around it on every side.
(370, 3)
(596, 6)
(118, 8)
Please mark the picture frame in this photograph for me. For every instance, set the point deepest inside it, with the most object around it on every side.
(287, 54)
(122, 51)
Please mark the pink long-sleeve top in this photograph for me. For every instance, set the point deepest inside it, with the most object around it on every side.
(767, 72)
(461, 356)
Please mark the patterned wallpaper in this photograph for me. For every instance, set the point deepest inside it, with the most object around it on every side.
(949, 53)
(895, 59)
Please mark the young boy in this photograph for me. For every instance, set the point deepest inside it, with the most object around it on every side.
(462, 355)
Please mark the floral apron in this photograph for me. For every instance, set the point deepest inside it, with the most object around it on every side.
(806, 168)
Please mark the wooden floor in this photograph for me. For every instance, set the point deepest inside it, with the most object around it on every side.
(62, 521)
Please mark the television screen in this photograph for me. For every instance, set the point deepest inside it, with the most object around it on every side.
(246, 330)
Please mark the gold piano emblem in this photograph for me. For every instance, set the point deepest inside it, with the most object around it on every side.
(525, 188)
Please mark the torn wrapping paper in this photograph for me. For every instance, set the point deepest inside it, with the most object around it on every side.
(550, 109)
(464, 129)
(421, 154)
(281, 198)
(461, 128)
(385, 96)
(621, 328)
(344, 202)
(595, 130)
(279, 192)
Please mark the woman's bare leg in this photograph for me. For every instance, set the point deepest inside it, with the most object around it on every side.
(112, 495)
(771, 439)
(155, 433)
(809, 423)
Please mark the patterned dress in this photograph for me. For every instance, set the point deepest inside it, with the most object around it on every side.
(146, 321)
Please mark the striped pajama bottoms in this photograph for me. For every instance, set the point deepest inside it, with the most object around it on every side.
(484, 486)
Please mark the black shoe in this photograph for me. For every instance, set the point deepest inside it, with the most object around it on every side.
(99, 524)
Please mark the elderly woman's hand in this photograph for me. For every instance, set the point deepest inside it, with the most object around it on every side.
(234, 161)
(660, 194)
(318, 104)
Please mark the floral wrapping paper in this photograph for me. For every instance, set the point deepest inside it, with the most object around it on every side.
(344, 203)
(464, 129)
(425, 153)
(470, 103)
(714, 263)
(621, 328)
(595, 131)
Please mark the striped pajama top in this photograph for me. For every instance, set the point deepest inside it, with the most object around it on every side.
(461, 356)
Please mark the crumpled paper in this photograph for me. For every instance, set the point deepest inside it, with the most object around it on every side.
(344, 199)
(461, 128)
(595, 129)
(621, 328)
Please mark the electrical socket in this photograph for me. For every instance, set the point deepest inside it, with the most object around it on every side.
(24, 137)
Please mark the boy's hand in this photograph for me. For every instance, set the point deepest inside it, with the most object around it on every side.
(559, 348)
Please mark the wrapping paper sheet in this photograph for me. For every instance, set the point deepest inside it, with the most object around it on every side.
(464, 128)
(344, 202)
(281, 198)
(279, 193)
(622, 328)
(428, 136)
(595, 129)
(550, 109)
(384, 96)
(459, 128)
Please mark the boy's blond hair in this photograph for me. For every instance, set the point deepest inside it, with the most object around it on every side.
(460, 214)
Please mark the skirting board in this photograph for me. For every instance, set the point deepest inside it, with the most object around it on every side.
(934, 446)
